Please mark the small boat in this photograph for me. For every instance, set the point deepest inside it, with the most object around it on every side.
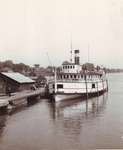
(73, 80)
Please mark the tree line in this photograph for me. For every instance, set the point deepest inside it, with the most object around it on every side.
(16, 67)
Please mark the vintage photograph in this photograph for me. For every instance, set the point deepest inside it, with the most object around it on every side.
(61, 74)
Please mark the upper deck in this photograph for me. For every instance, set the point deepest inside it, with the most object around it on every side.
(74, 71)
(71, 68)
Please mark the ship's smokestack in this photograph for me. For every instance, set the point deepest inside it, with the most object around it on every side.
(76, 57)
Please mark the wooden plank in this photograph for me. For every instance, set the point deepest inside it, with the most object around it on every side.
(26, 94)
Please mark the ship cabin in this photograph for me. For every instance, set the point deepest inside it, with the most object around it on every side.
(71, 72)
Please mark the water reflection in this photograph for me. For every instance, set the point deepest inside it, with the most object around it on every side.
(81, 108)
(72, 118)
(3, 119)
(43, 124)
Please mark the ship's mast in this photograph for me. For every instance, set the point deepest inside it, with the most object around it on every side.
(55, 74)
(88, 53)
(71, 51)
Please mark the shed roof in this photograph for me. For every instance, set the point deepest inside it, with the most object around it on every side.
(18, 77)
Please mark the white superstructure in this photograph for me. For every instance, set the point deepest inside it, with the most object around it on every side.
(72, 81)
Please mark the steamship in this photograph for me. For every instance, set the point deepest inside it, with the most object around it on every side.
(73, 81)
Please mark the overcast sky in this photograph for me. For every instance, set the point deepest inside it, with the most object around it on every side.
(31, 29)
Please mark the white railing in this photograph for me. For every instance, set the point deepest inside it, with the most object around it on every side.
(80, 80)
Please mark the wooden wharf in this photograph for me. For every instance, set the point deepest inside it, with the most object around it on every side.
(16, 98)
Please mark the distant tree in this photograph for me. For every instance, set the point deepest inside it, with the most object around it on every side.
(41, 81)
(84, 68)
(8, 63)
(97, 68)
(21, 67)
(32, 74)
(59, 69)
(50, 68)
(88, 66)
(1, 66)
(105, 70)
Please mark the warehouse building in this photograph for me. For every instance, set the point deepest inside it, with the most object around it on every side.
(14, 82)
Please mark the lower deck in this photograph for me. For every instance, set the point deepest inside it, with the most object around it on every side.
(62, 96)
(78, 87)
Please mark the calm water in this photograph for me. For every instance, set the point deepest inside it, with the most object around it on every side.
(73, 125)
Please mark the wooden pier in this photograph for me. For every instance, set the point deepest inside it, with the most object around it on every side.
(19, 97)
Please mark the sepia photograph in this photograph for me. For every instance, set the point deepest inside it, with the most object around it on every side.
(61, 74)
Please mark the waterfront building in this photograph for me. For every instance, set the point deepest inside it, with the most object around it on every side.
(14, 82)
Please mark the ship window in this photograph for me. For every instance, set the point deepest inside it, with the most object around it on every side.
(93, 86)
(71, 67)
(59, 86)
(53, 86)
(81, 76)
(75, 76)
(68, 67)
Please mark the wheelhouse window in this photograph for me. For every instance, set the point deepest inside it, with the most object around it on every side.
(93, 86)
(59, 86)
(74, 76)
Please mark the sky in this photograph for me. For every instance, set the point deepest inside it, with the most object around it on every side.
(40, 31)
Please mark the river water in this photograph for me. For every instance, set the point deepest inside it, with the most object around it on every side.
(79, 124)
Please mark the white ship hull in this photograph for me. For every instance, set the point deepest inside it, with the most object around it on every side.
(61, 97)
(75, 90)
